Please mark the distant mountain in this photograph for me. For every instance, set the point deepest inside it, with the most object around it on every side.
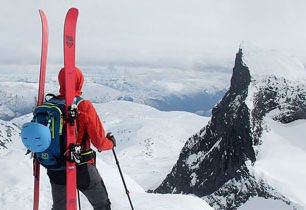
(218, 162)
(194, 90)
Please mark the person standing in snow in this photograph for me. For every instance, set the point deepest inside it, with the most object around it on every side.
(89, 130)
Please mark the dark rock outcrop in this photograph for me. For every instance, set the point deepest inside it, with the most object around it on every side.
(287, 98)
(7, 130)
(214, 155)
(214, 163)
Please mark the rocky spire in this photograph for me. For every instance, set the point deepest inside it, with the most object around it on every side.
(214, 163)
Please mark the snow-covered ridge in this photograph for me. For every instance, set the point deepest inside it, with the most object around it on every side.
(277, 103)
(276, 99)
(265, 62)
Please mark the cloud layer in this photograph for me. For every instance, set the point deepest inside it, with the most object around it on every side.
(160, 32)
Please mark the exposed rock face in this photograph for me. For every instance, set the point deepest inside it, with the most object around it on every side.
(216, 163)
(221, 148)
(286, 98)
(239, 189)
(8, 131)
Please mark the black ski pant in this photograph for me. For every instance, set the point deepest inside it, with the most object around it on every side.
(90, 184)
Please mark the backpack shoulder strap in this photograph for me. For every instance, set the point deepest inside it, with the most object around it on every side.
(49, 97)
(53, 99)
(78, 100)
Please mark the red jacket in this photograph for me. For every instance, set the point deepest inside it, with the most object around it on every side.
(88, 121)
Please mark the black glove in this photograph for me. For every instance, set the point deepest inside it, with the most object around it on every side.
(110, 137)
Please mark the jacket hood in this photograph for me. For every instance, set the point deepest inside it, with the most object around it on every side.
(79, 80)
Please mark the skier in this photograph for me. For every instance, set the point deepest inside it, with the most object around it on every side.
(89, 130)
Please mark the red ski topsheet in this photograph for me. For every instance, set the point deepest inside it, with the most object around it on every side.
(40, 99)
(69, 62)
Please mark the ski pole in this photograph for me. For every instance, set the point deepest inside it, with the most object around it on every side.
(79, 199)
(126, 190)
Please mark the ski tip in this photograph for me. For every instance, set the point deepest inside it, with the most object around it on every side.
(43, 20)
(73, 10)
(41, 12)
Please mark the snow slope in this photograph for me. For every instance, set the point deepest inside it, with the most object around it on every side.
(264, 204)
(149, 141)
(147, 147)
(16, 185)
(282, 152)
(266, 62)
(281, 158)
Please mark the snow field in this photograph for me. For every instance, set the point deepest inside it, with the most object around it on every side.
(263, 62)
(281, 159)
(132, 124)
(264, 204)
(149, 141)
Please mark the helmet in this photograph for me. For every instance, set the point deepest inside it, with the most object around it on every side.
(35, 136)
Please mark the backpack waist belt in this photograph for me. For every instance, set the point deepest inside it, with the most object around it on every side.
(87, 155)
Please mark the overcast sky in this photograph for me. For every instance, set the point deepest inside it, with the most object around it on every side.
(151, 32)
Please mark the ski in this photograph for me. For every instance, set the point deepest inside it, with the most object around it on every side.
(40, 99)
(69, 63)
